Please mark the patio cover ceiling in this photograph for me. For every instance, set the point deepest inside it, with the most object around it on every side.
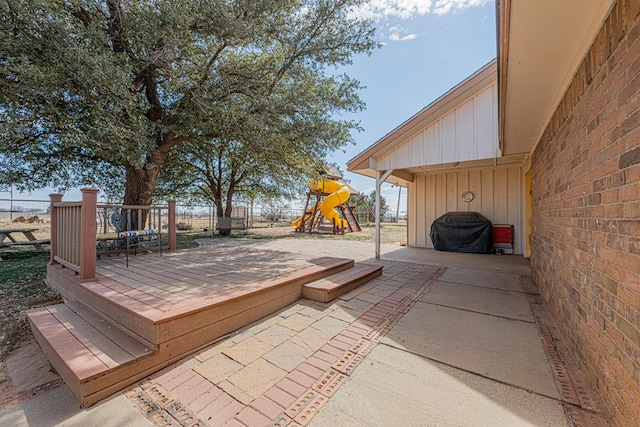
(541, 45)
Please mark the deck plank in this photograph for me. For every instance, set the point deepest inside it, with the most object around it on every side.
(183, 287)
(66, 352)
(137, 294)
(142, 278)
(127, 303)
(163, 308)
(323, 267)
(146, 273)
(344, 276)
(97, 343)
(201, 272)
(132, 346)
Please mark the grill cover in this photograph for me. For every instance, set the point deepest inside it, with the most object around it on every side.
(461, 232)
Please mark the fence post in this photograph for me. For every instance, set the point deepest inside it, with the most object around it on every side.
(172, 225)
(53, 225)
(88, 233)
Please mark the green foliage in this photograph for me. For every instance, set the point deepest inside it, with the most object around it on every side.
(101, 92)
(366, 207)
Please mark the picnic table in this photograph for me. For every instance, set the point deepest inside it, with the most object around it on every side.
(7, 239)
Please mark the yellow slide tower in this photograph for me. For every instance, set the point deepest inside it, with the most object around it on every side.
(338, 194)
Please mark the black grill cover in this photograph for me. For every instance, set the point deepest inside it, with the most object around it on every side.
(461, 232)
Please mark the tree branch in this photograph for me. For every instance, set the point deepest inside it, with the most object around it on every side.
(81, 14)
(116, 26)
(213, 59)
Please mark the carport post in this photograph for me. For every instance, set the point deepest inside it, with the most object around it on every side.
(379, 180)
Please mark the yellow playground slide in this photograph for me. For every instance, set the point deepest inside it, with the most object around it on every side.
(339, 194)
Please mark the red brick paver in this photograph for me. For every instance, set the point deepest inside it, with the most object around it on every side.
(280, 397)
(250, 417)
(267, 407)
(296, 398)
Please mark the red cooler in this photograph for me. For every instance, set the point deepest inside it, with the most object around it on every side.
(502, 238)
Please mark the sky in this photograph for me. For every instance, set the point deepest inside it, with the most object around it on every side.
(428, 47)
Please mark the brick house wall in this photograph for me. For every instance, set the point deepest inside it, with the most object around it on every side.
(586, 214)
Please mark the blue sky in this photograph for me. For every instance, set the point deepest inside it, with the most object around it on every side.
(429, 46)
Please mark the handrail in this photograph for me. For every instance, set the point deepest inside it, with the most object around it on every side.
(74, 226)
(106, 205)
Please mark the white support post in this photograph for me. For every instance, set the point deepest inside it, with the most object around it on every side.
(380, 178)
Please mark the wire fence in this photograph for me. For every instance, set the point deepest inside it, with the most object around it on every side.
(204, 218)
(14, 212)
(18, 213)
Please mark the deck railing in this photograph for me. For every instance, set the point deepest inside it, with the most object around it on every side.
(75, 227)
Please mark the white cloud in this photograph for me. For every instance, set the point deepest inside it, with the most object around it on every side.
(442, 7)
(405, 9)
(396, 34)
(397, 38)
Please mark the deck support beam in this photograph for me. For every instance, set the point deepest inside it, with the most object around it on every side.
(380, 178)
(53, 247)
(88, 233)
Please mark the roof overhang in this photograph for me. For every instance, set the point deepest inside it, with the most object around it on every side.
(541, 44)
(404, 176)
(397, 177)
(364, 163)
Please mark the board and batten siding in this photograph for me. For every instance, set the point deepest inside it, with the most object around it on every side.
(497, 196)
(467, 132)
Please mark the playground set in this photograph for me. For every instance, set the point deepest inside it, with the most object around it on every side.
(326, 197)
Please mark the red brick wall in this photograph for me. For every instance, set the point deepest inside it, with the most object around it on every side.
(586, 214)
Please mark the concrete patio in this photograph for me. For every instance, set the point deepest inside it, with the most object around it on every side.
(439, 339)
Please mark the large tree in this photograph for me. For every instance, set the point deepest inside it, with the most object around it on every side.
(366, 207)
(264, 151)
(91, 91)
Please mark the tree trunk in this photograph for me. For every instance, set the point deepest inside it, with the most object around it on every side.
(141, 182)
(217, 199)
(229, 202)
(140, 185)
(138, 192)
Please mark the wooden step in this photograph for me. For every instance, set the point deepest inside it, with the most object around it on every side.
(97, 357)
(130, 310)
(232, 309)
(82, 346)
(329, 288)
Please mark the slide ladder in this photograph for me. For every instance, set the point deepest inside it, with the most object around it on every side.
(352, 221)
(312, 215)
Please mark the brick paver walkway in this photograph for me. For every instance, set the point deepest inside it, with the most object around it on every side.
(280, 370)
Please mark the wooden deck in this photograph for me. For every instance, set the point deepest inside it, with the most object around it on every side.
(131, 322)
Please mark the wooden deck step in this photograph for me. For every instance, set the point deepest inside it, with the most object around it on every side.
(326, 289)
(98, 356)
(103, 325)
(127, 308)
(82, 346)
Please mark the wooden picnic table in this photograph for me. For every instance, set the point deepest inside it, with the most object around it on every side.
(7, 239)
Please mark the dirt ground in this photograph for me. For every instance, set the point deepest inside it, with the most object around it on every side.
(390, 233)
